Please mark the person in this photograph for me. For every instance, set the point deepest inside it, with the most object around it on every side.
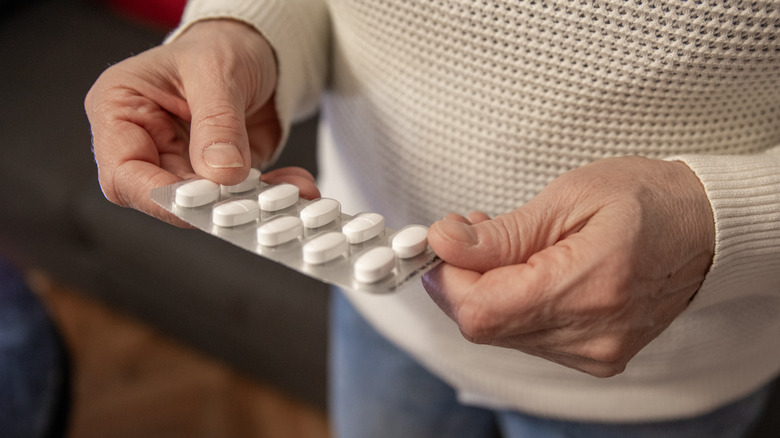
(602, 181)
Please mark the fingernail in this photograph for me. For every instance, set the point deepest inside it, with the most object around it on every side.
(458, 231)
(223, 155)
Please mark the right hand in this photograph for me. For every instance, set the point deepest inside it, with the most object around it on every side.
(201, 105)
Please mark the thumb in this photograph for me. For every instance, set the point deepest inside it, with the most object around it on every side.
(219, 144)
(508, 239)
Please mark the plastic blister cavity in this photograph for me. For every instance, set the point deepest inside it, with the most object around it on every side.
(313, 237)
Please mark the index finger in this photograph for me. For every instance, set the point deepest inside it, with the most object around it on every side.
(130, 166)
(297, 176)
(505, 301)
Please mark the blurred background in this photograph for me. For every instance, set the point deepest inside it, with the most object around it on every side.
(167, 332)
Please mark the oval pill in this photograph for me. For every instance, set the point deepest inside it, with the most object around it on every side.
(374, 265)
(278, 197)
(320, 212)
(325, 248)
(250, 183)
(363, 227)
(410, 241)
(236, 212)
(280, 230)
(196, 193)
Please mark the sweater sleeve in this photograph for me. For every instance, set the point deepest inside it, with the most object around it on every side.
(298, 31)
(744, 191)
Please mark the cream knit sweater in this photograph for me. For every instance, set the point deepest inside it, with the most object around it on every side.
(437, 106)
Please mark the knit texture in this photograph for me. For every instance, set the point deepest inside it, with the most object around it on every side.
(437, 106)
(478, 105)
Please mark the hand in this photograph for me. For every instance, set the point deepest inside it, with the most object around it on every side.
(587, 273)
(202, 104)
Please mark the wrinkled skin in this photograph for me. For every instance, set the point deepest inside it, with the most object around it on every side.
(201, 105)
(587, 273)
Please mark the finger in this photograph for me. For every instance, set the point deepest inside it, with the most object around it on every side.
(288, 171)
(136, 180)
(457, 218)
(449, 286)
(550, 305)
(589, 366)
(581, 349)
(229, 88)
(544, 293)
(265, 133)
(489, 243)
(484, 306)
(458, 294)
(473, 217)
(219, 143)
(297, 176)
(477, 216)
(129, 162)
(506, 301)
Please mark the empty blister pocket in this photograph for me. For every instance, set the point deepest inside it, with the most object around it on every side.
(311, 236)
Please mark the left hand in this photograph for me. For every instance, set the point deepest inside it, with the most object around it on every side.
(587, 273)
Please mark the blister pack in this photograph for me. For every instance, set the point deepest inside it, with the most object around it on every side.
(314, 237)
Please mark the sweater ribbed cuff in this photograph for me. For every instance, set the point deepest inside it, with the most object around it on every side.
(744, 192)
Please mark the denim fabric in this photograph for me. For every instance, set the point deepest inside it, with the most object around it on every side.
(31, 362)
(379, 391)
(731, 421)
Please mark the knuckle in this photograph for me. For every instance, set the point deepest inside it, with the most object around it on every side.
(613, 301)
(110, 193)
(107, 187)
(218, 111)
(607, 350)
(611, 295)
(506, 231)
(119, 186)
(222, 116)
(476, 324)
(606, 371)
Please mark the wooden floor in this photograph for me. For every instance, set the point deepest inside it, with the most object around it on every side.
(130, 381)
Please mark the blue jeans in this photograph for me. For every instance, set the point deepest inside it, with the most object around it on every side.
(33, 368)
(379, 391)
